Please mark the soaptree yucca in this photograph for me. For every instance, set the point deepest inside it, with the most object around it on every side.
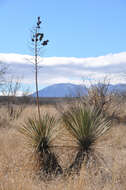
(41, 130)
(86, 125)
(40, 134)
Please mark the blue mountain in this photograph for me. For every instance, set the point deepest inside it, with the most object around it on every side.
(62, 90)
(117, 88)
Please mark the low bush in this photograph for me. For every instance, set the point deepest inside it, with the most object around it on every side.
(86, 124)
(40, 134)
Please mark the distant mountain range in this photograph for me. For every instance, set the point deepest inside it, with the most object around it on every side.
(72, 90)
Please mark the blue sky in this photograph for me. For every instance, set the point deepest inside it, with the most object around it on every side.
(87, 38)
(75, 28)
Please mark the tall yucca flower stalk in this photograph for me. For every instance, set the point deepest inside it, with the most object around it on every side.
(40, 135)
(38, 44)
(86, 125)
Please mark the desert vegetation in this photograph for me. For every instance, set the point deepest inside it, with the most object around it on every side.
(74, 145)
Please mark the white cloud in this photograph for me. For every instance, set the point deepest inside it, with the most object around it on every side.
(68, 69)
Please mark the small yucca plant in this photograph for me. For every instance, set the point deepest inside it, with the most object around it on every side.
(40, 133)
(86, 124)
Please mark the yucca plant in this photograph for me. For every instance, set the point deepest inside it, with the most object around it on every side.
(85, 124)
(40, 133)
(41, 130)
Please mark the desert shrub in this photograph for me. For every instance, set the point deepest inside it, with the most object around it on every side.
(104, 99)
(86, 124)
(8, 117)
(40, 134)
(15, 111)
(99, 96)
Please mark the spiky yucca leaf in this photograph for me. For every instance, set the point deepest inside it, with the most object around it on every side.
(86, 124)
(40, 133)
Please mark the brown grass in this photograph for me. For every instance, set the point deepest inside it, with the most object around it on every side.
(17, 163)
